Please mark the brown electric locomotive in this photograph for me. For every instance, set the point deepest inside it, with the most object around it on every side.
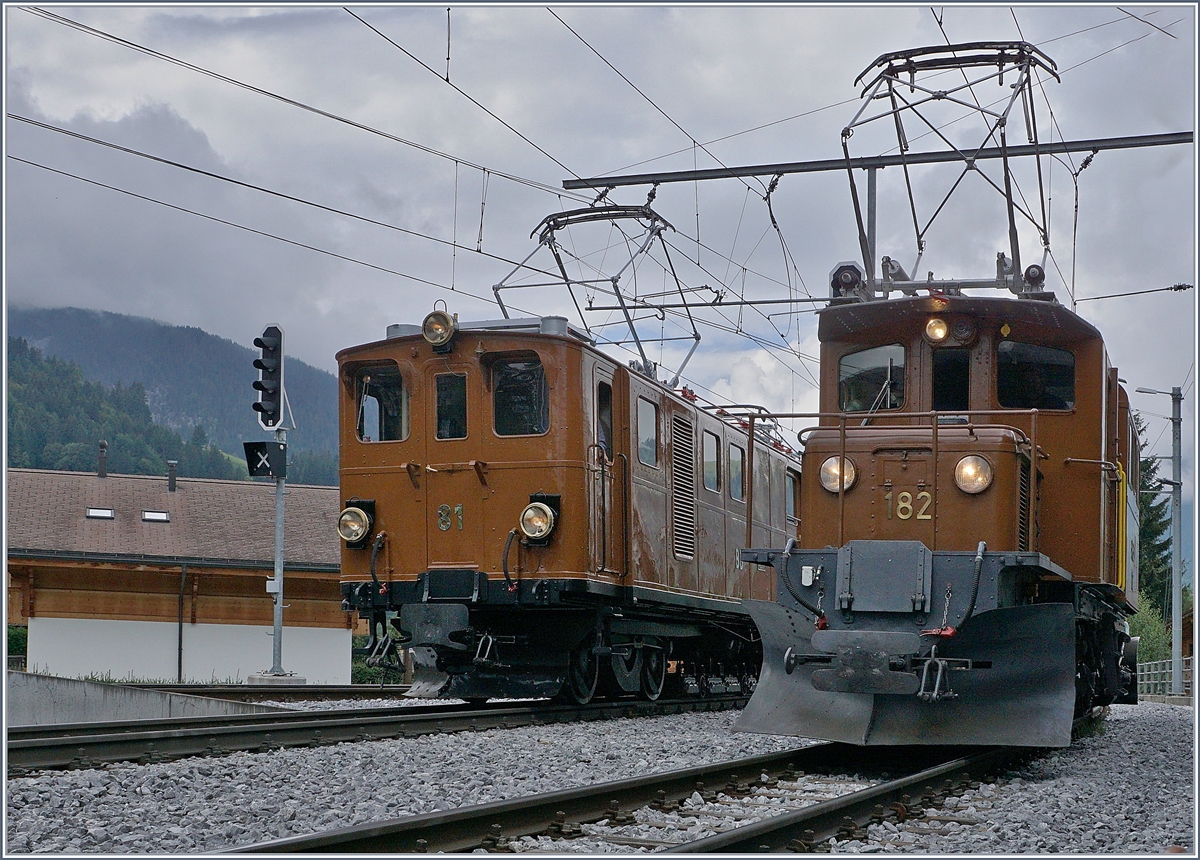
(967, 556)
(968, 544)
(528, 517)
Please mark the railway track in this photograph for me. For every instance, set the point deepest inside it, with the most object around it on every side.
(282, 692)
(792, 800)
(83, 745)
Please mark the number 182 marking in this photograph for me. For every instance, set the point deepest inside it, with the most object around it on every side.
(904, 505)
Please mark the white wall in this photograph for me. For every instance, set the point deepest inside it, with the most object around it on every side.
(148, 650)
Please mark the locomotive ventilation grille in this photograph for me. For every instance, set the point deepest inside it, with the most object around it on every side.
(683, 488)
(1023, 525)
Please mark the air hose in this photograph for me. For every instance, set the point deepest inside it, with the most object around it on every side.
(512, 586)
(379, 539)
(975, 586)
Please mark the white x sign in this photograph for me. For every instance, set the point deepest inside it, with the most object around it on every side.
(263, 462)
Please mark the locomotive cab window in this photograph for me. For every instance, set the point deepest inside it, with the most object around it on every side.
(520, 398)
(647, 431)
(951, 379)
(872, 379)
(383, 413)
(1031, 376)
(737, 481)
(711, 452)
(791, 494)
(604, 424)
(451, 405)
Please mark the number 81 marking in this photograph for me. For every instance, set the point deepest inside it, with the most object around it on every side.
(904, 505)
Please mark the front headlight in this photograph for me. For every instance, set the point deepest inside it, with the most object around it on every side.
(439, 327)
(832, 474)
(973, 474)
(353, 524)
(537, 521)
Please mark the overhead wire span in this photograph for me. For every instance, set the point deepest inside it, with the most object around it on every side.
(458, 90)
(248, 229)
(151, 52)
(264, 190)
(638, 90)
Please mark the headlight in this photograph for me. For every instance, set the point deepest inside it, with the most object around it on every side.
(353, 524)
(537, 521)
(438, 327)
(936, 330)
(973, 474)
(831, 474)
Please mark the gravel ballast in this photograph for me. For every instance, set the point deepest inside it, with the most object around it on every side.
(1126, 790)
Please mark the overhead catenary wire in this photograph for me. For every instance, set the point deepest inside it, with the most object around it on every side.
(248, 229)
(264, 190)
(638, 90)
(160, 55)
(458, 90)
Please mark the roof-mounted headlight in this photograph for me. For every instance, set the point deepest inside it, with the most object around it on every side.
(832, 474)
(973, 474)
(353, 524)
(439, 327)
(537, 521)
(936, 330)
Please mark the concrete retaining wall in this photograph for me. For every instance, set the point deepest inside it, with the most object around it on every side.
(212, 653)
(38, 700)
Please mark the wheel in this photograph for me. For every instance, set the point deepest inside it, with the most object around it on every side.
(654, 671)
(583, 674)
(627, 671)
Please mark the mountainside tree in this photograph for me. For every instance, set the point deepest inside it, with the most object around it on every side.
(1154, 532)
(56, 419)
(190, 377)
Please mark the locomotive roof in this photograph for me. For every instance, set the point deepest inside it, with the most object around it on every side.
(841, 320)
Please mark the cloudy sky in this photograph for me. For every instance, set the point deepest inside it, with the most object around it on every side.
(440, 184)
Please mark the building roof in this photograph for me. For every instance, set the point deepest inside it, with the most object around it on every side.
(208, 522)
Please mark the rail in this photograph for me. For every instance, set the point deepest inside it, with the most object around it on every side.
(1154, 678)
(929, 775)
(82, 745)
(843, 430)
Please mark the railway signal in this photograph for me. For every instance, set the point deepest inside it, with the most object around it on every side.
(269, 459)
(270, 377)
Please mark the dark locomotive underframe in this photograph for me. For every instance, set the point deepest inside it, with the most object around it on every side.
(475, 637)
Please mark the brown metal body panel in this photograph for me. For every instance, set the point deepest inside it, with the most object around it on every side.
(893, 497)
(1075, 526)
(616, 523)
(450, 503)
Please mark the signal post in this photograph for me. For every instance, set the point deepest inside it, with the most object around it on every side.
(269, 459)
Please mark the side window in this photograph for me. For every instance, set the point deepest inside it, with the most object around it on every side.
(604, 431)
(647, 431)
(791, 493)
(737, 484)
(711, 453)
(451, 405)
(382, 404)
(871, 379)
(1029, 376)
(520, 398)
(951, 379)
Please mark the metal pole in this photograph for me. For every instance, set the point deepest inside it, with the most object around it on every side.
(870, 264)
(277, 643)
(1176, 541)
